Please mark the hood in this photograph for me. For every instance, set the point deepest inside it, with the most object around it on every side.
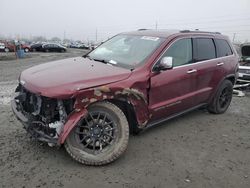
(63, 78)
(245, 50)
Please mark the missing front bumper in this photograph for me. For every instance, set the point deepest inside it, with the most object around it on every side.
(31, 126)
(53, 133)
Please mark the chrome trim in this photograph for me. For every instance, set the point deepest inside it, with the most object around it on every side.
(191, 71)
(190, 37)
(220, 64)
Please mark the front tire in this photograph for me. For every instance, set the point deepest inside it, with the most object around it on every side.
(100, 137)
(222, 98)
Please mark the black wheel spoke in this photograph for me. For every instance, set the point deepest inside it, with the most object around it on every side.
(98, 117)
(92, 117)
(86, 145)
(94, 144)
(104, 119)
(107, 123)
(109, 129)
(105, 134)
(84, 138)
(105, 141)
(86, 120)
(96, 131)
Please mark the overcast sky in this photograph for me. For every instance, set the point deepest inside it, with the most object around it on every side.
(80, 19)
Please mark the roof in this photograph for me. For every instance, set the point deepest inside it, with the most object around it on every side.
(166, 33)
(153, 33)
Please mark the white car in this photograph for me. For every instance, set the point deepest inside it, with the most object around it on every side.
(2, 46)
(244, 71)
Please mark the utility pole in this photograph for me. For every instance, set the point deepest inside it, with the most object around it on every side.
(234, 36)
(156, 25)
(96, 35)
(64, 35)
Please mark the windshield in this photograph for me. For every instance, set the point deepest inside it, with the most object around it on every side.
(126, 51)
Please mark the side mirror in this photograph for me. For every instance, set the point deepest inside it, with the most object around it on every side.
(165, 64)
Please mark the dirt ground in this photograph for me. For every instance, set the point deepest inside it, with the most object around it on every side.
(196, 150)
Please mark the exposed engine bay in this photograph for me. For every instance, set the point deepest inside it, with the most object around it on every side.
(45, 116)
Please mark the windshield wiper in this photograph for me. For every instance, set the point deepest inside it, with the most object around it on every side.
(111, 62)
(101, 60)
(87, 56)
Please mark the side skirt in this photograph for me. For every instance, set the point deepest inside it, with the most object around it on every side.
(157, 122)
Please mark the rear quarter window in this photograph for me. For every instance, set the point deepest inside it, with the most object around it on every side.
(223, 48)
(204, 49)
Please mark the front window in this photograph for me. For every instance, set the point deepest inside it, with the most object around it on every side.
(127, 51)
(180, 51)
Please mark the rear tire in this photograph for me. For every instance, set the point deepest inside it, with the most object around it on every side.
(26, 50)
(100, 137)
(222, 98)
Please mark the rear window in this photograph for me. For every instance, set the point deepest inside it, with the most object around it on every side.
(204, 49)
(223, 48)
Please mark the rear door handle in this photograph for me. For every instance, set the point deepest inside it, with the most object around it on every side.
(220, 64)
(191, 71)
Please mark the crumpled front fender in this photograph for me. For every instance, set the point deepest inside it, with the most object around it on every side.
(138, 98)
(72, 121)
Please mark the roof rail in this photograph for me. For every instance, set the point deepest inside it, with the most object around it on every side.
(198, 31)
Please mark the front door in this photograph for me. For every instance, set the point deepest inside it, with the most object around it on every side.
(173, 90)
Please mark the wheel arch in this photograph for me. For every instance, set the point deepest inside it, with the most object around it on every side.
(129, 111)
(230, 77)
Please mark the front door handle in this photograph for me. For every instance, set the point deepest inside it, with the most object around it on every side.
(220, 64)
(191, 71)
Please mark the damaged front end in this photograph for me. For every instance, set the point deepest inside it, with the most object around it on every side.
(43, 118)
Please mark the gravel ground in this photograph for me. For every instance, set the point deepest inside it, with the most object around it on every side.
(195, 150)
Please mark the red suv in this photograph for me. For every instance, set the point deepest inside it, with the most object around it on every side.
(10, 47)
(130, 82)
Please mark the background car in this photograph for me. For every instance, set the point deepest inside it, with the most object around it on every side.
(25, 47)
(2, 47)
(10, 46)
(36, 47)
(245, 53)
(83, 46)
(53, 48)
(244, 70)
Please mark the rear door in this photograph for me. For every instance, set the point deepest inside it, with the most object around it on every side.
(173, 90)
(209, 67)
